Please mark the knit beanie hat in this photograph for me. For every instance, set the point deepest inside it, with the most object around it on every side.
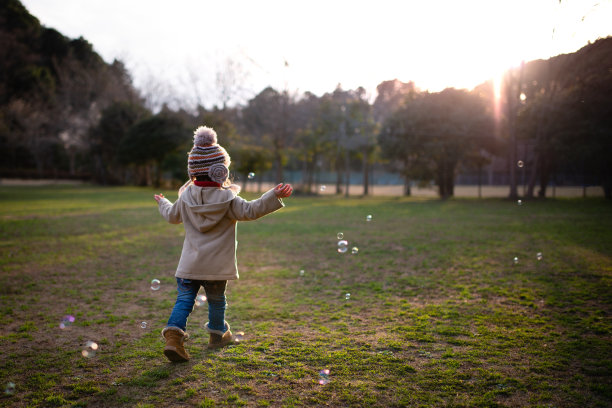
(207, 157)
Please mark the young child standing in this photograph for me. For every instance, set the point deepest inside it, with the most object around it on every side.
(209, 208)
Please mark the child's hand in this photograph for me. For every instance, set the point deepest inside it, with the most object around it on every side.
(158, 197)
(283, 190)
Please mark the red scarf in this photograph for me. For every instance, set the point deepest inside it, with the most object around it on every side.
(206, 184)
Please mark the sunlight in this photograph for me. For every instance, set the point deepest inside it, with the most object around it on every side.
(497, 84)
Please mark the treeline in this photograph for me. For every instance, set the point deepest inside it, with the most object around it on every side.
(64, 112)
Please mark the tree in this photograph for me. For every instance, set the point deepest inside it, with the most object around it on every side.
(251, 159)
(267, 116)
(454, 121)
(433, 133)
(364, 130)
(104, 139)
(566, 114)
(403, 143)
(150, 140)
(390, 96)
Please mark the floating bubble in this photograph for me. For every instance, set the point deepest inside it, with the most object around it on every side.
(520, 163)
(239, 336)
(368, 217)
(90, 349)
(10, 388)
(354, 250)
(340, 235)
(324, 376)
(519, 202)
(323, 188)
(515, 260)
(539, 256)
(200, 300)
(251, 175)
(347, 296)
(143, 325)
(342, 246)
(302, 272)
(155, 284)
(66, 321)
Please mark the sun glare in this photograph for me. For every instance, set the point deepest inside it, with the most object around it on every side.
(497, 84)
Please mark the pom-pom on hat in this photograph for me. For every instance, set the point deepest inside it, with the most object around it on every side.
(207, 157)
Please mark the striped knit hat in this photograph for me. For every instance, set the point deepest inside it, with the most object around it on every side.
(207, 157)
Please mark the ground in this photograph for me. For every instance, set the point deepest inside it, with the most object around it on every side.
(439, 313)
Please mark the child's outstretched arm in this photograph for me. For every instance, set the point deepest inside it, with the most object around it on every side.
(242, 210)
(171, 212)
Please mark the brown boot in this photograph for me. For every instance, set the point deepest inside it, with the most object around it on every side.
(174, 349)
(218, 338)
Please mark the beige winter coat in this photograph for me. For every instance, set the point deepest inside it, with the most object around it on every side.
(210, 215)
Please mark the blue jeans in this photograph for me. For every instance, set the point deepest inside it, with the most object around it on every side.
(187, 292)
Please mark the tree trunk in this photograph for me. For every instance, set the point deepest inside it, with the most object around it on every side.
(512, 101)
(407, 190)
(440, 182)
(446, 180)
(366, 173)
(278, 163)
(338, 174)
(72, 162)
(479, 180)
(450, 182)
(305, 175)
(544, 178)
(584, 181)
(157, 174)
(512, 163)
(246, 181)
(347, 173)
(533, 177)
(312, 174)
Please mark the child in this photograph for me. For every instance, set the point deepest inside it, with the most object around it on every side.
(209, 208)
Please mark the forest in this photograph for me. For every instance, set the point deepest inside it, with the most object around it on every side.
(66, 113)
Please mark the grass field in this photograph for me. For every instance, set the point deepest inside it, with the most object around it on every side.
(439, 314)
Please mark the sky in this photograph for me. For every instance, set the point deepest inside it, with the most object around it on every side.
(176, 50)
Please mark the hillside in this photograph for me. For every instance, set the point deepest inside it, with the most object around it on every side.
(52, 89)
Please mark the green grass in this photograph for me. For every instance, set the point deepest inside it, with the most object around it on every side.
(438, 315)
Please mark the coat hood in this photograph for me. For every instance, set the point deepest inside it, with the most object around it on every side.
(208, 205)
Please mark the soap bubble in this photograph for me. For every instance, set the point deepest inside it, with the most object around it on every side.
(539, 256)
(323, 187)
(66, 321)
(200, 300)
(155, 284)
(10, 388)
(520, 163)
(251, 175)
(342, 246)
(515, 260)
(324, 376)
(90, 349)
(301, 272)
(354, 250)
(368, 217)
(347, 296)
(143, 325)
(340, 235)
(519, 202)
(239, 336)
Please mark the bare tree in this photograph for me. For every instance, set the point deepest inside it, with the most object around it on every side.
(230, 81)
